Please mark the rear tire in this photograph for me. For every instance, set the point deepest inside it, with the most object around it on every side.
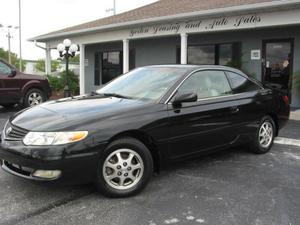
(124, 169)
(264, 137)
(34, 97)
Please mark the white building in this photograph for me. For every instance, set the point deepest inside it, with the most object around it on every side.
(262, 37)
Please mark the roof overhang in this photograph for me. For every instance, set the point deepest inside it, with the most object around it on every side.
(257, 7)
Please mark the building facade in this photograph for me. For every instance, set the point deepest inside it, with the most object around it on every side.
(262, 38)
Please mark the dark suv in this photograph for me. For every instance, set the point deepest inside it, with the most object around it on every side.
(17, 87)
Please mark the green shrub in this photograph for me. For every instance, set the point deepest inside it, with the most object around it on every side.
(58, 83)
(235, 64)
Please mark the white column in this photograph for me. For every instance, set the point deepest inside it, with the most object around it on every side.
(81, 69)
(125, 55)
(183, 55)
(48, 60)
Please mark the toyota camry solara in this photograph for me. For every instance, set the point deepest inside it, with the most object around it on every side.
(119, 135)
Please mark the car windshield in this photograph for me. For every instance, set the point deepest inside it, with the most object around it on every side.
(149, 83)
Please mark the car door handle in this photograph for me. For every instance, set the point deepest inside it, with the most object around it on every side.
(234, 109)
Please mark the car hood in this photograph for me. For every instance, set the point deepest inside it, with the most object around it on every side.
(33, 76)
(69, 113)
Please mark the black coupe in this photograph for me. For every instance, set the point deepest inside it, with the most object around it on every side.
(122, 133)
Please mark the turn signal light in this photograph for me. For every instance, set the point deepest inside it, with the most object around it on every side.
(77, 136)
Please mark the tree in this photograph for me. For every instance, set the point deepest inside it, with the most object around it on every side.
(40, 65)
(15, 61)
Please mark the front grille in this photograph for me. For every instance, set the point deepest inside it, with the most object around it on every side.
(14, 133)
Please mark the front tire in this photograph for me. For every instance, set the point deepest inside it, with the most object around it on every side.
(34, 97)
(264, 137)
(125, 168)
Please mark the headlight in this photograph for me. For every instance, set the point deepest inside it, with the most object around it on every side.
(53, 138)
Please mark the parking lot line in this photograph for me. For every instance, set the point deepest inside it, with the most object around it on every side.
(287, 141)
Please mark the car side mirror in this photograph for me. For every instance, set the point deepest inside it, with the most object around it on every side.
(12, 73)
(188, 97)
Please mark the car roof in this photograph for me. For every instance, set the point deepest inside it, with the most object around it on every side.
(191, 68)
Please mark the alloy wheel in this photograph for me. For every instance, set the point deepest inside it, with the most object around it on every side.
(35, 98)
(123, 169)
(266, 134)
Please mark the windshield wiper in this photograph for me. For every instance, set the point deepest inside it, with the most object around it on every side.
(93, 93)
(116, 95)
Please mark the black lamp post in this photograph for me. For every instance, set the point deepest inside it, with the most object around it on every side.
(67, 50)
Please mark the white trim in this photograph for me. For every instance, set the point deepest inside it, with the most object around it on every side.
(204, 13)
(82, 69)
(48, 60)
(183, 49)
(125, 55)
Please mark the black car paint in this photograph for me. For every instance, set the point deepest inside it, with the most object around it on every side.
(171, 132)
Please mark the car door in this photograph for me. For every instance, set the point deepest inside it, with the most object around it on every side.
(9, 84)
(254, 102)
(207, 123)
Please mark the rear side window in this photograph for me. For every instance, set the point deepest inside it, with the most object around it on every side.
(4, 69)
(241, 84)
(206, 84)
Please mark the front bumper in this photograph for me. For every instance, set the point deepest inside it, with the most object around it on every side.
(77, 162)
(22, 171)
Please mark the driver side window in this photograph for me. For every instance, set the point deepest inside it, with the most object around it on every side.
(4, 69)
(206, 84)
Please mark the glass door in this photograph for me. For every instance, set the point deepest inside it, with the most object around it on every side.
(277, 62)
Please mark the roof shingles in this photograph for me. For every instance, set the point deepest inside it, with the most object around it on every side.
(159, 9)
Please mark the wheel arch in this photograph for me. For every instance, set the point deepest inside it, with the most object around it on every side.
(147, 140)
(32, 85)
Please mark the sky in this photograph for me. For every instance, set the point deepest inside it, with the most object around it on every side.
(43, 16)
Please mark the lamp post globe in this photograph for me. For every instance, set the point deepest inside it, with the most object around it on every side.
(67, 50)
(67, 43)
(60, 47)
(73, 48)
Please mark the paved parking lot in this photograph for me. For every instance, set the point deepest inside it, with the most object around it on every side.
(229, 187)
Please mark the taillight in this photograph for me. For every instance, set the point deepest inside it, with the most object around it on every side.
(285, 98)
